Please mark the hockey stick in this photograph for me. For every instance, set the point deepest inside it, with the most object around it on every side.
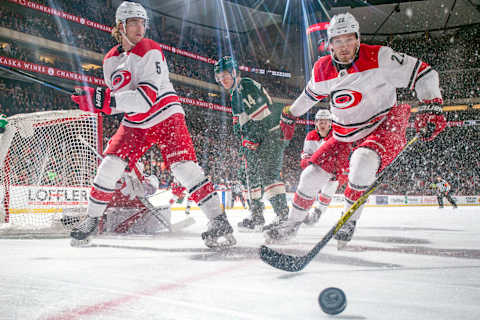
(247, 180)
(296, 263)
(33, 78)
(179, 225)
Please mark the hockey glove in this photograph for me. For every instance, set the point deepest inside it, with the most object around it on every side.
(430, 121)
(237, 131)
(249, 144)
(94, 100)
(3, 122)
(287, 124)
(305, 161)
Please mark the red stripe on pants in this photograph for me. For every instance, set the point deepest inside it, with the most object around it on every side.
(351, 194)
(302, 202)
(100, 195)
(202, 192)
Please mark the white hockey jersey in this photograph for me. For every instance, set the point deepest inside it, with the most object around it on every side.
(312, 142)
(362, 95)
(139, 80)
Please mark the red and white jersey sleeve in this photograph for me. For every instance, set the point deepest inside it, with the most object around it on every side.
(409, 72)
(362, 95)
(139, 80)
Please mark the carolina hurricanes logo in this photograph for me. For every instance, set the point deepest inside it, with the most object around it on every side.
(120, 79)
(344, 99)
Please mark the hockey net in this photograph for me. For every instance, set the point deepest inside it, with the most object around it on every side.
(46, 171)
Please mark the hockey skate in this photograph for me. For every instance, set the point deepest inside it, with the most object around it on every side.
(81, 233)
(217, 228)
(345, 234)
(281, 218)
(254, 223)
(312, 217)
(283, 232)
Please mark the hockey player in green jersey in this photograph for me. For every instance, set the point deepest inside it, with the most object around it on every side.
(256, 122)
(3, 123)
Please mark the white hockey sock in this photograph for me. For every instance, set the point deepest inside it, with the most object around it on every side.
(109, 172)
(364, 164)
(200, 188)
(312, 179)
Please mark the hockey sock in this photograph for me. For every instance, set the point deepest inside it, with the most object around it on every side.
(300, 205)
(312, 179)
(325, 196)
(279, 204)
(109, 172)
(323, 201)
(364, 164)
(200, 188)
(350, 197)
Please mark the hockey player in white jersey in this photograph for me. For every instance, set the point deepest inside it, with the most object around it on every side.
(313, 141)
(368, 126)
(138, 84)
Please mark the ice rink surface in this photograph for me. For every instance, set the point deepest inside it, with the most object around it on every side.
(403, 263)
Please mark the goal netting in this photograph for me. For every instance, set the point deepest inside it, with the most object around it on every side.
(46, 170)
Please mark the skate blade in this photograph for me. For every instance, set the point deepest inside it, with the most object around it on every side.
(80, 243)
(341, 245)
(228, 241)
(257, 229)
(271, 241)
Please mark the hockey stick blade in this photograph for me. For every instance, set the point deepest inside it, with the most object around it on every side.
(177, 226)
(293, 263)
(296, 263)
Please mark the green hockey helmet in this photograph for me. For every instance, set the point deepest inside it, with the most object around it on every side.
(229, 65)
(226, 63)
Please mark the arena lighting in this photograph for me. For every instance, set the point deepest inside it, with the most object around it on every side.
(47, 59)
(89, 66)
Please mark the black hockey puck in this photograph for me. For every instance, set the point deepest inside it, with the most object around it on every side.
(332, 300)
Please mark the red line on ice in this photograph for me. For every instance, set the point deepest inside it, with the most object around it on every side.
(107, 305)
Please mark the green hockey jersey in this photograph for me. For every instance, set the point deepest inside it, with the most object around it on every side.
(254, 113)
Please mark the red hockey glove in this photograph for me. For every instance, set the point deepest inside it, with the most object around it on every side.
(305, 160)
(94, 100)
(249, 144)
(430, 121)
(287, 124)
(237, 131)
(304, 163)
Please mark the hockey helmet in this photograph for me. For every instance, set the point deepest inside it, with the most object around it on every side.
(323, 114)
(226, 63)
(128, 9)
(343, 23)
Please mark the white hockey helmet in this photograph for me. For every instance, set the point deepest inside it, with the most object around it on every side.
(128, 9)
(343, 23)
(323, 114)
